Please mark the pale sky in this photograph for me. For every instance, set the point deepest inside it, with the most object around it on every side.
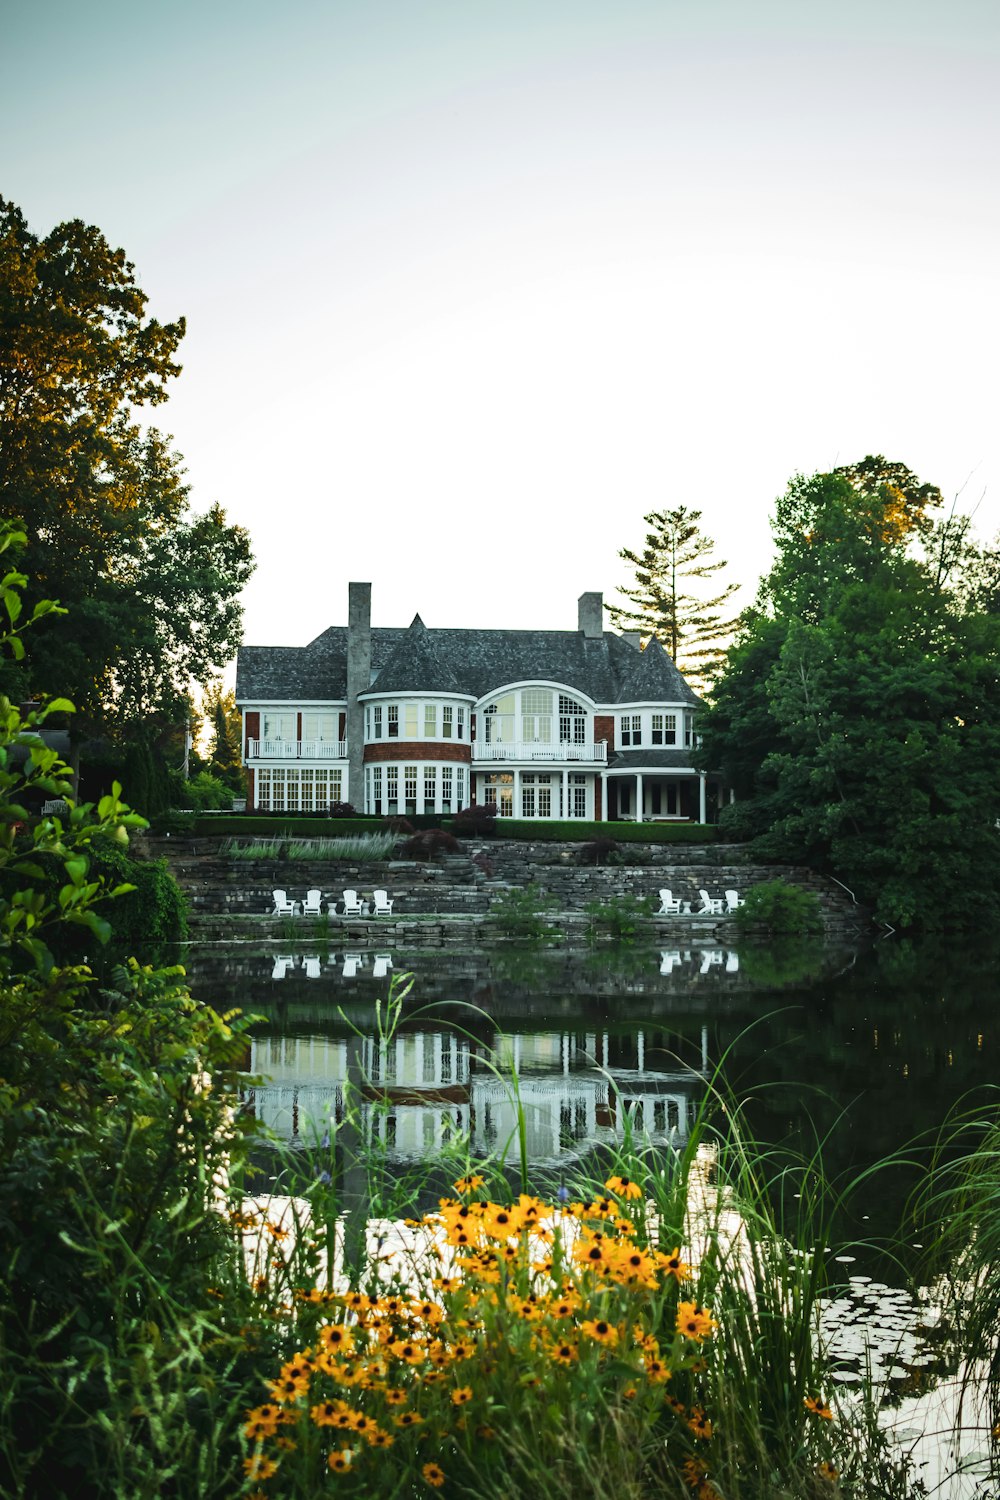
(473, 286)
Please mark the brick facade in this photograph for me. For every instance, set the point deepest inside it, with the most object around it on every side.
(418, 750)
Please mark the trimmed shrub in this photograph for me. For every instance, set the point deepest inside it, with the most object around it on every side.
(432, 843)
(476, 821)
(776, 906)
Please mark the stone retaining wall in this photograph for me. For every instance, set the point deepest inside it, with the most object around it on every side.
(466, 888)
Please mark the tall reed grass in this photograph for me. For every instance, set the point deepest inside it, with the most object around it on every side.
(361, 848)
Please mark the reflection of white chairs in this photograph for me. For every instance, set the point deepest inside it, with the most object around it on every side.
(283, 907)
(732, 962)
(312, 967)
(669, 961)
(310, 906)
(733, 900)
(381, 904)
(668, 906)
(282, 963)
(710, 957)
(382, 965)
(711, 906)
(352, 962)
(353, 905)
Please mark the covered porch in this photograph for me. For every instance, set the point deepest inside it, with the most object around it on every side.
(660, 787)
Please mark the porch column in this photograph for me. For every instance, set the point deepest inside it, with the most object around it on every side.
(516, 809)
(565, 793)
(603, 776)
(732, 795)
(638, 796)
(702, 808)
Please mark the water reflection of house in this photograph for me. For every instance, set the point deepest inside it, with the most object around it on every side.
(419, 1088)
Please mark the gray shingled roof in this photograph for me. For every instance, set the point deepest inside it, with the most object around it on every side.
(660, 758)
(651, 677)
(417, 666)
(477, 661)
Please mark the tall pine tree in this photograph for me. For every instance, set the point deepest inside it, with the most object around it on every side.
(672, 598)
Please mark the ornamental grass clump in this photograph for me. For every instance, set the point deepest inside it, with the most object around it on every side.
(529, 1337)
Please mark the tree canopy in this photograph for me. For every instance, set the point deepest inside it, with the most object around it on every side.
(858, 715)
(672, 598)
(152, 587)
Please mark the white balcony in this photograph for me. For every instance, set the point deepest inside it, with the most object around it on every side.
(535, 750)
(296, 750)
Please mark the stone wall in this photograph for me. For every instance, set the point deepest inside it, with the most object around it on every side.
(467, 886)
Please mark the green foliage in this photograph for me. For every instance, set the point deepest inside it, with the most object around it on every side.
(669, 600)
(117, 1127)
(618, 916)
(574, 830)
(859, 716)
(225, 728)
(778, 907)
(519, 912)
(201, 791)
(103, 503)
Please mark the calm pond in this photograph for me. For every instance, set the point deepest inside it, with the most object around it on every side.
(867, 1051)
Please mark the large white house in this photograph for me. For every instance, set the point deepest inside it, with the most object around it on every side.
(543, 723)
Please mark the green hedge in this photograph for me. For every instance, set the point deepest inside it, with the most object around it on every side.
(575, 831)
(279, 825)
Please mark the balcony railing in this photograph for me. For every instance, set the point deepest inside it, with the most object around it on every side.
(535, 751)
(296, 750)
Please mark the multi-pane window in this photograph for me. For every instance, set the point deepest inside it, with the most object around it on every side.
(410, 788)
(320, 726)
(688, 729)
(631, 729)
(430, 721)
(392, 789)
(277, 725)
(460, 787)
(664, 729)
(499, 789)
(498, 718)
(460, 723)
(392, 720)
(377, 721)
(430, 787)
(410, 720)
(446, 788)
(536, 715)
(289, 789)
(447, 724)
(572, 721)
(376, 789)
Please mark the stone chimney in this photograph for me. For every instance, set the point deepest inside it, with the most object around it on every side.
(634, 638)
(590, 614)
(359, 677)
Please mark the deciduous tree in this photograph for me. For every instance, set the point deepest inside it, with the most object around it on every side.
(858, 717)
(153, 589)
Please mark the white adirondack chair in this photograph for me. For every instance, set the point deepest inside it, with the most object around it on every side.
(283, 906)
(310, 906)
(381, 904)
(733, 900)
(711, 906)
(353, 905)
(668, 906)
